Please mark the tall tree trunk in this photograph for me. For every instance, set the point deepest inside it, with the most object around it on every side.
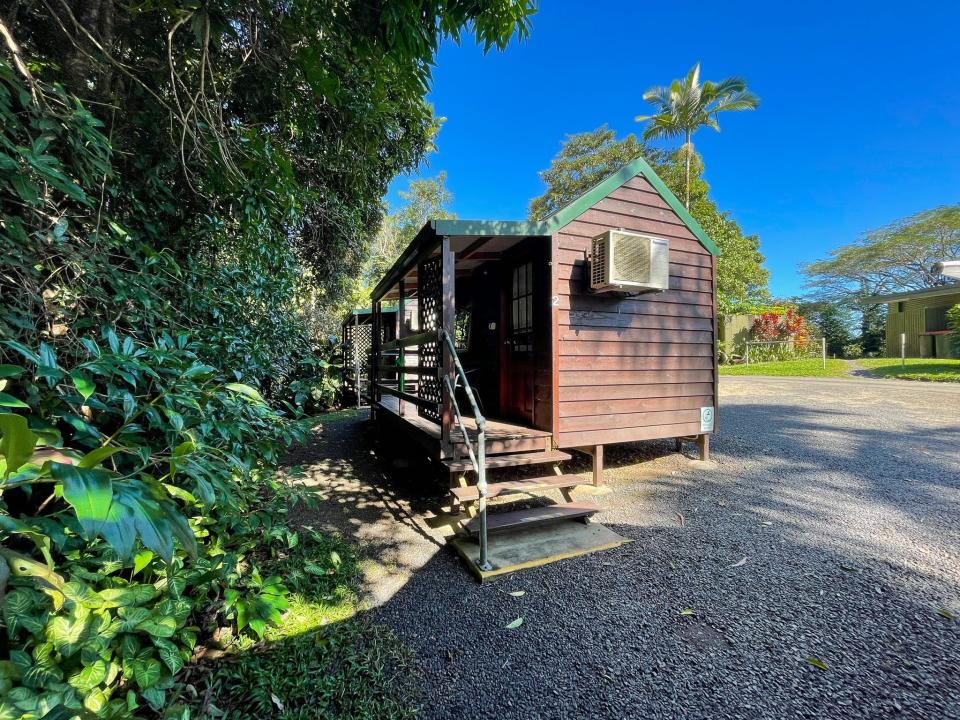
(687, 203)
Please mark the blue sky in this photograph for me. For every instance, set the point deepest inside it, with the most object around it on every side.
(859, 122)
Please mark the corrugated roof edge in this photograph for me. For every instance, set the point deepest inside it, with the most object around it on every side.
(911, 294)
(570, 212)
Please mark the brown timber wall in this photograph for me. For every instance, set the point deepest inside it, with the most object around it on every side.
(634, 368)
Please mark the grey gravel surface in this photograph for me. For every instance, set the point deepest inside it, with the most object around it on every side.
(829, 528)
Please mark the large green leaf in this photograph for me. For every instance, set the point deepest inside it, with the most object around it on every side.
(250, 392)
(18, 527)
(88, 677)
(89, 492)
(17, 441)
(98, 455)
(147, 672)
(10, 371)
(7, 400)
(84, 385)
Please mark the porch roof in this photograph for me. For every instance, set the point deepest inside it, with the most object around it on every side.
(474, 242)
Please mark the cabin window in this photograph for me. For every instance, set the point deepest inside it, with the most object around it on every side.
(935, 319)
(900, 306)
(521, 308)
(462, 324)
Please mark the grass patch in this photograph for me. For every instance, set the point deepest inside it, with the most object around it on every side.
(927, 369)
(806, 367)
(324, 661)
(350, 670)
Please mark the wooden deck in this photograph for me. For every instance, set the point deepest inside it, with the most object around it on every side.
(502, 437)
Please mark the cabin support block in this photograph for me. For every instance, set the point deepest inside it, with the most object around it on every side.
(703, 445)
(595, 452)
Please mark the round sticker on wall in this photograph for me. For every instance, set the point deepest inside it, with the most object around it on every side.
(706, 419)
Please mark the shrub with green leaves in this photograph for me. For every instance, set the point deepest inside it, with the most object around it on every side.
(132, 485)
(953, 322)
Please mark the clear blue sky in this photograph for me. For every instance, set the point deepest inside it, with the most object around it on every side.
(859, 122)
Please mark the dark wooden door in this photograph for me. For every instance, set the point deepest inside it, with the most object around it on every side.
(518, 367)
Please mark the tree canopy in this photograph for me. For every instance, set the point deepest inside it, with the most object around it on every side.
(587, 158)
(584, 160)
(897, 257)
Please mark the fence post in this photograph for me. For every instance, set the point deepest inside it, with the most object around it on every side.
(748, 352)
(903, 349)
(823, 342)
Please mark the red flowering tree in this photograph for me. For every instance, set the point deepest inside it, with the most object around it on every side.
(790, 326)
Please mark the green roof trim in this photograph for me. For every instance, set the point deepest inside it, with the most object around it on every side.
(570, 212)
(493, 228)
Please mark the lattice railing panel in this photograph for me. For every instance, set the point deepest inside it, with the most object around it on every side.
(357, 345)
(430, 315)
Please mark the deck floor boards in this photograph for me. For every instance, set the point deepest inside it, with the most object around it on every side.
(497, 430)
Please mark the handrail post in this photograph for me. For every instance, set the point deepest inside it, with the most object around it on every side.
(482, 489)
(479, 459)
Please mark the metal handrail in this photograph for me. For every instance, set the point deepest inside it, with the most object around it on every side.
(478, 459)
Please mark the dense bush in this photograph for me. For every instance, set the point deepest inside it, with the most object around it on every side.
(953, 322)
(140, 476)
(852, 351)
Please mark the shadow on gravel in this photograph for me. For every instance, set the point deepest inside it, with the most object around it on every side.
(816, 537)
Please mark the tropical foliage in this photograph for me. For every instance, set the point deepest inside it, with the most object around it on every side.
(183, 186)
(584, 160)
(688, 105)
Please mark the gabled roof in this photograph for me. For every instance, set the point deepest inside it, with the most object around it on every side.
(953, 289)
(567, 214)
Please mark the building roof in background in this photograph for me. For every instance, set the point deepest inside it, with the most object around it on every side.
(953, 289)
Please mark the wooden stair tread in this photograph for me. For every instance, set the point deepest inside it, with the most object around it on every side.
(548, 482)
(510, 460)
(531, 517)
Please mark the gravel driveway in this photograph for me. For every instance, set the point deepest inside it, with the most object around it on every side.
(829, 529)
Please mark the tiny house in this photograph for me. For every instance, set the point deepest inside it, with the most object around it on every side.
(596, 325)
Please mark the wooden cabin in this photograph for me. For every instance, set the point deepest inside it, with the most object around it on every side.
(554, 357)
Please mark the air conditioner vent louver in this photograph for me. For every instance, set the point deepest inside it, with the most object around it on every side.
(628, 262)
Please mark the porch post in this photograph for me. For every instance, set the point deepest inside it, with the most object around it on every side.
(374, 371)
(448, 324)
(402, 353)
(355, 360)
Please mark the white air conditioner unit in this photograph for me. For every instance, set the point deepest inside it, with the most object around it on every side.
(629, 262)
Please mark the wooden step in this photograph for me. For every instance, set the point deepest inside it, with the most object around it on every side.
(501, 445)
(512, 460)
(549, 482)
(519, 519)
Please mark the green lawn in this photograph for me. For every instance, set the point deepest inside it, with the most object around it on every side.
(807, 367)
(929, 369)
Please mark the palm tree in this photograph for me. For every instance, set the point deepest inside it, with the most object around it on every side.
(686, 106)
